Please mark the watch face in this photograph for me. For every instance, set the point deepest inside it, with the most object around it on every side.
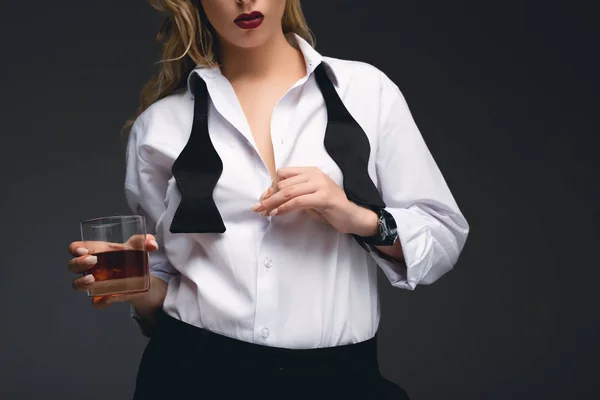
(388, 229)
(383, 227)
(387, 232)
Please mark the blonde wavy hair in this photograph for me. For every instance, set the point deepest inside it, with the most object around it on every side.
(188, 39)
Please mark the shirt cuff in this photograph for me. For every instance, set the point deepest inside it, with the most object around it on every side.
(165, 276)
(416, 241)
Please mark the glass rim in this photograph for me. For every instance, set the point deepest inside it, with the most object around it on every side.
(112, 219)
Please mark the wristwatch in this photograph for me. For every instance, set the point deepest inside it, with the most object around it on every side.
(387, 230)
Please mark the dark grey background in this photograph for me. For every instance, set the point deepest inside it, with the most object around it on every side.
(505, 95)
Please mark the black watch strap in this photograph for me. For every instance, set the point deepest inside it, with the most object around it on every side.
(387, 230)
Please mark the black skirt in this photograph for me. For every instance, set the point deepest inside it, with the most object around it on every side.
(182, 361)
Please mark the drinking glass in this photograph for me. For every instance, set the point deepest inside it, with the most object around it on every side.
(119, 243)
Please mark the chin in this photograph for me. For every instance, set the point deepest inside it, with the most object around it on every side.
(248, 40)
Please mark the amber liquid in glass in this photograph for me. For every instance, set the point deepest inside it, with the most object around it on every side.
(121, 271)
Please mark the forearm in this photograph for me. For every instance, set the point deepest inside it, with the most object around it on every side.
(148, 305)
(393, 252)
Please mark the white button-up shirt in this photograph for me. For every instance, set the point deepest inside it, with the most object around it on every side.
(289, 281)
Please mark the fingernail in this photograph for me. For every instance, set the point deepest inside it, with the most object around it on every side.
(88, 279)
(154, 243)
(91, 260)
(82, 251)
(274, 212)
(256, 207)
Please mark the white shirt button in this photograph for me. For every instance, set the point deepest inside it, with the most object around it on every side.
(268, 263)
(264, 333)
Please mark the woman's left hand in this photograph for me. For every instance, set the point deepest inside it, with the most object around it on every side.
(309, 189)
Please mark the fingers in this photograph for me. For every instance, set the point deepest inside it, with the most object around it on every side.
(284, 178)
(151, 243)
(305, 202)
(83, 261)
(139, 242)
(84, 283)
(105, 301)
(81, 248)
(270, 191)
(82, 264)
(294, 180)
(270, 206)
(136, 242)
(285, 173)
(78, 249)
(267, 194)
(279, 185)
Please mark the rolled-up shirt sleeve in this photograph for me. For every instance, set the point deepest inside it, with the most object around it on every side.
(146, 177)
(431, 228)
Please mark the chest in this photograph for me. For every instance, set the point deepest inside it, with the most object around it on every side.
(282, 131)
(257, 102)
(253, 138)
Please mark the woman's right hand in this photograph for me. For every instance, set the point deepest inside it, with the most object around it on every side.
(83, 261)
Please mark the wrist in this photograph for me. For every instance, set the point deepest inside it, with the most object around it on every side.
(363, 221)
(151, 302)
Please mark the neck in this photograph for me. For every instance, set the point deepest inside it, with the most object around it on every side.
(274, 57)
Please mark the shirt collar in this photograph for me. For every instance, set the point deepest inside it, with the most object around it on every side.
(312, 58)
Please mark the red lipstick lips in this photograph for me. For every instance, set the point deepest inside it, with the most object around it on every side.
(249, 21)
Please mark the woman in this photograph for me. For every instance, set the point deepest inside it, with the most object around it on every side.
(276, 181)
